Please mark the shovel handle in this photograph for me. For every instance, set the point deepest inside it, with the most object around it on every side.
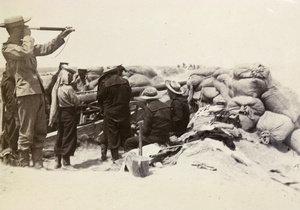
(140, 139)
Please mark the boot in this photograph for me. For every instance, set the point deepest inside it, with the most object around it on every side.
(66, 160)
(103, 152)
(115, 154)
(24, 158)
(37, 158)
(58, 162)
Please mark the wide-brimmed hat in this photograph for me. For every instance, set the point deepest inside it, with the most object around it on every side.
(14, 21)
(111, 69)
(150, 93)
(174, 86)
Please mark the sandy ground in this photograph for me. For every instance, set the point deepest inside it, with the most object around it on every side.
(242, 181)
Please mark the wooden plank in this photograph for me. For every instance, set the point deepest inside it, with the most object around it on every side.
(90, 129)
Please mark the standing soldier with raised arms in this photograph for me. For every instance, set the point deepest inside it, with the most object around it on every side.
(20, 53)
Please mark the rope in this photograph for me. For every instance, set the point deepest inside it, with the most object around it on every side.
(63, 46)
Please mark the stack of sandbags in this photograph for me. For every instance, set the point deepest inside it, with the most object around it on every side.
(249, 110)
(214, 92)
(274, 126)
(210, 85)
(250, 80)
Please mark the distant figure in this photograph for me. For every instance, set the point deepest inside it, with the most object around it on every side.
(9, 137)
(20, 54)
(180, 108)
(114, 93)
(156, 123)
(67, 101)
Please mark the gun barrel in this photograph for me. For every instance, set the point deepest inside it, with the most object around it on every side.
(49, 28)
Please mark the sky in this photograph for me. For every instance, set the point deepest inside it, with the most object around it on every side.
(221, 33)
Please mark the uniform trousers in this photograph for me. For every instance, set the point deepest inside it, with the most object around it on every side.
(32, 116)
(66, 141)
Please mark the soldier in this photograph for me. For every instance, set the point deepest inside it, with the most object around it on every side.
(114, 93)
(81, 81)
(10, 133)
(20, 54)
(157, 121)
(67, 101)
(179, 107)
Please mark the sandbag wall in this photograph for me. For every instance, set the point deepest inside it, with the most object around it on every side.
(249, 91)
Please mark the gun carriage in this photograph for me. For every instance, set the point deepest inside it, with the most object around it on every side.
(90, 123)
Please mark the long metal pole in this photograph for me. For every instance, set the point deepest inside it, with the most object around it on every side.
(50, 28)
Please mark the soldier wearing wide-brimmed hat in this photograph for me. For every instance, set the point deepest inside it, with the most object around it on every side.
(20, 53)
(179, 106)
(156, 122)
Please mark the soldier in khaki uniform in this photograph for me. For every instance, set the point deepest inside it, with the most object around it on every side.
(20, 53)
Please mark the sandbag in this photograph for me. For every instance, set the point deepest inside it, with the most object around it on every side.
(157, 80)
(248, 124)
(144, 70)
(249, 110)
(225, 78)
(194, 82)
(282, 101)
(138, 80)
(223, 89)
(254, 70)
(294, 141)
(222, 71)
(275, 126)
(297, 123)
(219, 100)
(254, 105)
(253, 87)
(209, 92)
(208, 82)
(207, 71)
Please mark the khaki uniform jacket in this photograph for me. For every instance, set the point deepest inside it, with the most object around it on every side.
(22, 63)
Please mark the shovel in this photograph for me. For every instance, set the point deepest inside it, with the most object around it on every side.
(140, 164)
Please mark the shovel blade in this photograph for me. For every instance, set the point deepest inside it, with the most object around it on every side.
(140, 166)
